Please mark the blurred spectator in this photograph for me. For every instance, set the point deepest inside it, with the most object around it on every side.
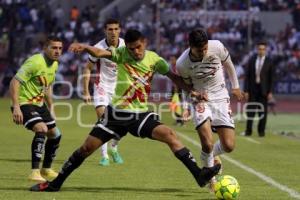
(59, 16)
(74, 15)
(9, 73)
(296, 16)
(4, 44)
(24, 23)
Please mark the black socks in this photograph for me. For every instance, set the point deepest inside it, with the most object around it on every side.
(50, 151)
(37, 148)
(69, 166)
(188, 160)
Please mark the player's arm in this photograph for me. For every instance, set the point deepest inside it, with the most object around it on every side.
(186, 114)
(178, 80)
(23, 75)
(93, 51)
(14, 88)
(185, 95)
(229, 67)
(86, 80)
(49, 99)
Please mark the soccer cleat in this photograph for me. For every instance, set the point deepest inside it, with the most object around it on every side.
(206, 174)
(217, 160)
(116, 157)
(35, 175)
(48, 173)
(212, 184)
(44, 187)
(104, 161)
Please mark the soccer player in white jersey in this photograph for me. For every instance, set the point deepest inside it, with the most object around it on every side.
(105, 83)
(202, 65)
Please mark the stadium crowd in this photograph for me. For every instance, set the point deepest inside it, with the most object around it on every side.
(23, 24)
(260, 5)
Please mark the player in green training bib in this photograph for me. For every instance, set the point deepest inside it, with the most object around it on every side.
(128, 112)
(30, 87)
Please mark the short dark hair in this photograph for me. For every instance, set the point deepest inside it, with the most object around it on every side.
(133, 35)
(111, 21)
(198, 38)
(52, 38)
(261, 42)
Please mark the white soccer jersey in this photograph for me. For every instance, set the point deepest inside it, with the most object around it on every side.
(106, 72)
(207, 75)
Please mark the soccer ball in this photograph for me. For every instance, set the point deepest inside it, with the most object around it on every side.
(227, 188)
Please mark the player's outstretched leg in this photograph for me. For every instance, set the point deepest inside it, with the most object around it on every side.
(168, 136)
(75, 160)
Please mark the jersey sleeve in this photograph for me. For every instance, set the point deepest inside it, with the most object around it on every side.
(181, 70)
(116, 54)
(93, 59)
(26, 71)
(223, 52)
(162, 66)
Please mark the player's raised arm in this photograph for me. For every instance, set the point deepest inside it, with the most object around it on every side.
(94, 51)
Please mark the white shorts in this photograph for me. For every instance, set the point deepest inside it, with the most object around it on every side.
(101, 97)
(219, 112)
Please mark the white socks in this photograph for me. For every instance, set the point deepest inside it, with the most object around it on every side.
(104, 150)
(218, 148)
(207, 159)
(114, 147)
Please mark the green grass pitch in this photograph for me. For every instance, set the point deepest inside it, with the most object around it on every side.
(266, 168)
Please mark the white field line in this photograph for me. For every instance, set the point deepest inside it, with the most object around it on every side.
(267, 179)
(252, 140)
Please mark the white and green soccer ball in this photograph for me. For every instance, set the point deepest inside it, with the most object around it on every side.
(227, 188)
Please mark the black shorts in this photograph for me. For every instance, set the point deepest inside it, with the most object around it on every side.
(116, 124)
(33, 114)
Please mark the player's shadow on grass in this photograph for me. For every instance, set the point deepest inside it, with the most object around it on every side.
(184, 193)
(188, 193)
(18, 160)
(129, 189)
